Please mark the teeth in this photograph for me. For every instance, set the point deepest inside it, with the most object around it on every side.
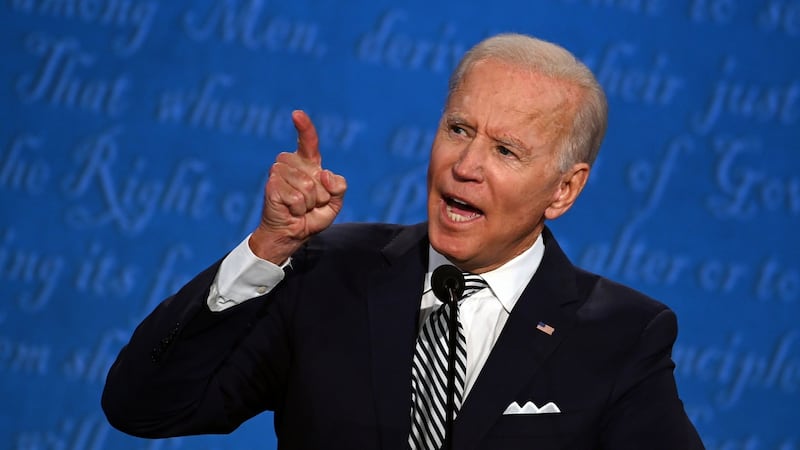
(459, 210)
(458, 217)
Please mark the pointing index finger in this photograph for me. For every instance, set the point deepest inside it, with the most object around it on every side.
(307, 139)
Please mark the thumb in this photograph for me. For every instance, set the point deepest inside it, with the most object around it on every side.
(335, 184)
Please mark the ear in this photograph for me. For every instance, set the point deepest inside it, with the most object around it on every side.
(570, 186)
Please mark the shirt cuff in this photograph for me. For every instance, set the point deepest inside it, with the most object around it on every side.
(241, 276)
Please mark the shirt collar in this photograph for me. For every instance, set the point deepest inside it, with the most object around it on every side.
(507, 281)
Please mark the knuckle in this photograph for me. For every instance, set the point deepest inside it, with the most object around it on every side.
(273, 196)
(284, 158)
(306, 183)
(312, 140)
(296, 198)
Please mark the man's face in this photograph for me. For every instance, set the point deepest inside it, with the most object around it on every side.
(493, 176)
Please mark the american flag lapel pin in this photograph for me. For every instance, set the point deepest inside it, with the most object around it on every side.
(545, 328)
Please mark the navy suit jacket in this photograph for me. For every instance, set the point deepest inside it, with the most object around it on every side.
(330, 350)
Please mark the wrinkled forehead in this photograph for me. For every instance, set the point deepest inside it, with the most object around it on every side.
(515, 96)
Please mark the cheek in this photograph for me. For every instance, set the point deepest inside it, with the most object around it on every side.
(438, 162)
(524, 202)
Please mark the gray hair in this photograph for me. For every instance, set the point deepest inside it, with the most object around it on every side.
(582, 142)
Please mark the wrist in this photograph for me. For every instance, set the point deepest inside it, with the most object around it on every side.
(272, 247)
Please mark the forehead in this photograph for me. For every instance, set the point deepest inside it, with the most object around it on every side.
(496, 93)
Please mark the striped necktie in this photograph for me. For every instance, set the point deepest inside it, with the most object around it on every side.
(429, 374)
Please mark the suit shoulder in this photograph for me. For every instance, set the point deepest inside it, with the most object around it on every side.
(616, 301)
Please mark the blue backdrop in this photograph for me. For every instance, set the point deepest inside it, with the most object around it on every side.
(135, 137)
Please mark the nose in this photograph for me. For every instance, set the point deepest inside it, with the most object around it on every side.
(469, 165)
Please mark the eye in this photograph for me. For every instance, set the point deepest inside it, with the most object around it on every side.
(455, 129)
(504, 151)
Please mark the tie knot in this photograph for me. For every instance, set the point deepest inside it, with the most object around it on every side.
(472, 284)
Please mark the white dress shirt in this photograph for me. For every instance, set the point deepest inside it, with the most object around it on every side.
(242, 275)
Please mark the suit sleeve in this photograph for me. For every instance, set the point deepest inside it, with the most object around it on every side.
(646, 411)
(187, 370)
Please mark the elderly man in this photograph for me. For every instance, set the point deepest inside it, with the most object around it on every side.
(335, 328)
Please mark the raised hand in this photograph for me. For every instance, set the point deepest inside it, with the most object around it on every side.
(300, 197)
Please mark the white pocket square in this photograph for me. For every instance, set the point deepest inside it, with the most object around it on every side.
(531, 408)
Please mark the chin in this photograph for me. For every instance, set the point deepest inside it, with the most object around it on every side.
(453, 247)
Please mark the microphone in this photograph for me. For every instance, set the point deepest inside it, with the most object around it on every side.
(448, 284)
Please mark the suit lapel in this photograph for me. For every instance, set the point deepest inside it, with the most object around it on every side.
(394, 295)
(521, 349)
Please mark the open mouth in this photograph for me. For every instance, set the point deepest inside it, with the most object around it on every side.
(460, 211)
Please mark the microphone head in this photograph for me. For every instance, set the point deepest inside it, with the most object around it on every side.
(446, 279)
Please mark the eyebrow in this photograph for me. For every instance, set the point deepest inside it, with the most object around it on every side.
(512, 142)
(507, 140)
(453, 117)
